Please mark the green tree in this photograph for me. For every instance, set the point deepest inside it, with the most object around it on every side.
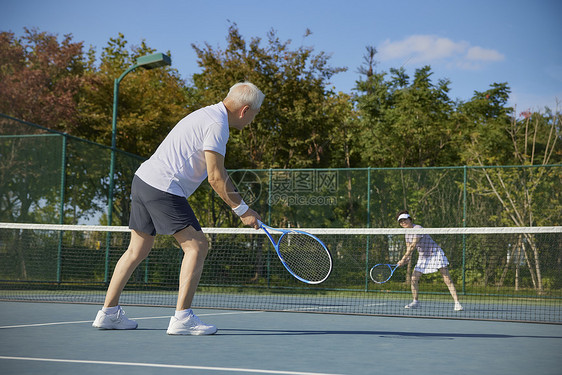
(150, 102)
(484, 120)
(405, 123)
(294, 125)
(527, 196)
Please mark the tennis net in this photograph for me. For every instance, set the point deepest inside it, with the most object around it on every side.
(509, 274)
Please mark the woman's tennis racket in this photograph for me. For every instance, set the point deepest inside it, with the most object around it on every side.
(302, 254)
(381, 273)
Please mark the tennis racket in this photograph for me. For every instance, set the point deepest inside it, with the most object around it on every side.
(302, 254)
(381, 273)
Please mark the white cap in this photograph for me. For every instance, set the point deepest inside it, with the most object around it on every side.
(403, 216)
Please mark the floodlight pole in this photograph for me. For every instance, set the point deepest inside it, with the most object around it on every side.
(155, 60)
(148, 62)
(114, 143)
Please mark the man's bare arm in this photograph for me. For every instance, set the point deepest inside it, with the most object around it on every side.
(221, 183)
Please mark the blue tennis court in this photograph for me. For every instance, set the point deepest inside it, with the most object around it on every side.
(55, 338)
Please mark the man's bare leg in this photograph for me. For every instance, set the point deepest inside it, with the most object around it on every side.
(139, 248)
(195, 248)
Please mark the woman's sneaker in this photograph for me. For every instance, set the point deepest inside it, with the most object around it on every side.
(458, 306)
(413, 305)
(114, 321)
(191, 325)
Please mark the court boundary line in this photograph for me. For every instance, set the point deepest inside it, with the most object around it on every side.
(141, 318)
(158, 365)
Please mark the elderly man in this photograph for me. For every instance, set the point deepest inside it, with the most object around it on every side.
(193, 150)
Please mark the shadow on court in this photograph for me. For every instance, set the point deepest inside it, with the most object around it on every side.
(405, 335)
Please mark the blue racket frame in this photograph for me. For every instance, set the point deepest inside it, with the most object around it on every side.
(392, 268)
(276, 246)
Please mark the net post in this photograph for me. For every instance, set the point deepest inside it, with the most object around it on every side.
(368, 240)
(106, 269)
(146, 270)
(464, 235)
(270, 187)
(61, 209)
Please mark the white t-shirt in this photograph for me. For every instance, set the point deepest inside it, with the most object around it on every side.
(178, 165)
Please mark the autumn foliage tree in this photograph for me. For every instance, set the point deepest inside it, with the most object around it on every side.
(40, 79)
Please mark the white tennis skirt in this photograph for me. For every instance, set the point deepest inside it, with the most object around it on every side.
(432, 263)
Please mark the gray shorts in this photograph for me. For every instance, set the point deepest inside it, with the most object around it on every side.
(156, 211)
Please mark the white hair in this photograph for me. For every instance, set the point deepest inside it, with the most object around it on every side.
(246, 93)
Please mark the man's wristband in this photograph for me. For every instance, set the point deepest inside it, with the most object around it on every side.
(241, 209)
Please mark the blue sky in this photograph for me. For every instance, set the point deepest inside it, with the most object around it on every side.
(472, 43)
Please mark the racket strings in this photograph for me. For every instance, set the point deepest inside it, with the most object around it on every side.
(305, 256)
(380, 273)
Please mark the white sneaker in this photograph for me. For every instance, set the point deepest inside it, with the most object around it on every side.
(413, 305)
(458, 306)
(114, 321)
(191, 325)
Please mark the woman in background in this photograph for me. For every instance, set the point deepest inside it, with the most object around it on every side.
(431, 258)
